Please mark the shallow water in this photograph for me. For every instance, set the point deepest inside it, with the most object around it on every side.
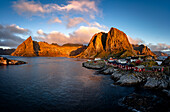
(57, 84)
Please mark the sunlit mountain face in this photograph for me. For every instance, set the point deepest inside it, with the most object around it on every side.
(76, 21)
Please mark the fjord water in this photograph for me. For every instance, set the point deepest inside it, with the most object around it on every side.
(57, 84)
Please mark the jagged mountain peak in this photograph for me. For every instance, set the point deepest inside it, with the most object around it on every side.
(103, 44)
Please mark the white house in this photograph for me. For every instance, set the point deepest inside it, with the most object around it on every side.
(122, 61)
(97, 59)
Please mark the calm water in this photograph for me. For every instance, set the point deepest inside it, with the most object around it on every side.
(57, 84)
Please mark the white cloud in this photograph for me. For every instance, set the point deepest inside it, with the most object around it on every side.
(84, 34)
(159, 47)
(40, 32)
(135, 41)
(72, 22)
(55, 20)
(96, 24)
(31, 7)
(81, 35)
(22, 6)
(83, 6)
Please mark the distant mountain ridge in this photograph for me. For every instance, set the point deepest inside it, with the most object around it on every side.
(6, 51)
(114, 43)
(31, 48)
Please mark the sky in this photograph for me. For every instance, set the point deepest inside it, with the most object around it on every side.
(76, 21)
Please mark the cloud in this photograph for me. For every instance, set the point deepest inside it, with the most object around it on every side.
(16, 29)
(55, 20)
(40, 32)
(159, 47)
(83, 6)
(10, 35)
(72, 22)
(96, 24)
(135, 41)
(81, 35)
(31, 7)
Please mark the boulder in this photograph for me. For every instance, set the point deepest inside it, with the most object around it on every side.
(93, 65)
(109, 70)
(154, 82)
(129, 79)
(116, 75)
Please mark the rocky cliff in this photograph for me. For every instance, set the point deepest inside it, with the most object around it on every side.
(32, 48)
(113, 43)
(143, 50)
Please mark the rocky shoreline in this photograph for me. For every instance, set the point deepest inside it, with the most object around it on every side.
(5, 61)
(155, 81)
(144, 103)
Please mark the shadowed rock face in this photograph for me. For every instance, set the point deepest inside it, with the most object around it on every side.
(105, 44)
(32, 48)
(143, 50)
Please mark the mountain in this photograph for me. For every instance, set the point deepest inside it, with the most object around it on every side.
(114, 43)
(159, 53)
(31, 48)
(6, 51)
(72, 44)
(143, 50)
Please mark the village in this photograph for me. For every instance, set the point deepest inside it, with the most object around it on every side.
(137, 64)
(133, 71)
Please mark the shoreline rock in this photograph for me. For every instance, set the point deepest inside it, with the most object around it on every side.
(129, 79)
(154, 80)
(108, 70)
(5, 61)
(167, 92)
(150, 81)
(145, 103)
(93, 65)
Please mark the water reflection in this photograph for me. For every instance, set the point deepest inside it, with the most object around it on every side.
(56, 84)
